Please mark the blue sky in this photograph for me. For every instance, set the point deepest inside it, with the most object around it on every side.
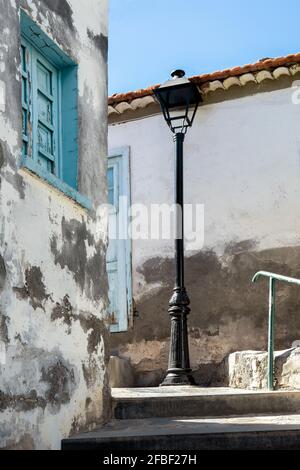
(148, 39)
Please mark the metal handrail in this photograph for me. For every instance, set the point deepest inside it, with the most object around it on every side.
(272, 278)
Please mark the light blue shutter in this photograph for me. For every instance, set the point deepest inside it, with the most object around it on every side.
(119, 248)
(25, 67)
(45, 113)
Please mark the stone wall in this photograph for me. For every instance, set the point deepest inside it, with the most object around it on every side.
(53, 283)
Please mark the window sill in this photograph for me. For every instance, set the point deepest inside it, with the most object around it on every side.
(58, 184)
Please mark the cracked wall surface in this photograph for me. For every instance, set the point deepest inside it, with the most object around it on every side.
(241, 161)
(53, 282)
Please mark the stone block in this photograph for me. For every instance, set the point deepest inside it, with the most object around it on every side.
(120, 372)
(248, 369)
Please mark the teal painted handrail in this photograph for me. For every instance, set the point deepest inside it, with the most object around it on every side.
(271, 324)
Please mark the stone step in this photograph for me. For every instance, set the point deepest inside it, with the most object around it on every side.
(162, 402)
(267, 432)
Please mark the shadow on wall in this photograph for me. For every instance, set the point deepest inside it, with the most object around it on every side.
(228, 312)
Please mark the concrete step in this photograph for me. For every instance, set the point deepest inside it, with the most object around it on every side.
(162, 402)
(179, 434)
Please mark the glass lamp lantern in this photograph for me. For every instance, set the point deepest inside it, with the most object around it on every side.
(179, 99)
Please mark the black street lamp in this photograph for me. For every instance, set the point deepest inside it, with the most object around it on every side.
(179, 99)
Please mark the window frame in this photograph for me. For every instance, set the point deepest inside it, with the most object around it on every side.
(65, 133)
(31, 106)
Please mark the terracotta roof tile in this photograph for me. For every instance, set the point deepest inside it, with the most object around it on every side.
(264, 69)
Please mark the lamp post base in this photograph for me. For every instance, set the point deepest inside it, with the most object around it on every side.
(179, 371)
(178, 377)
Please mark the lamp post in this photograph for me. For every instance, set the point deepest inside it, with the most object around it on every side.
(179, 99)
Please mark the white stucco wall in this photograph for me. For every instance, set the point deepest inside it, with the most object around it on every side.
(242, 161)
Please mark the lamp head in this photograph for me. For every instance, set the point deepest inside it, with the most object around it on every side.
(179, 99)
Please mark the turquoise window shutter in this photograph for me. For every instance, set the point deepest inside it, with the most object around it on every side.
(25, 65)
(45, 113)
(50, 106)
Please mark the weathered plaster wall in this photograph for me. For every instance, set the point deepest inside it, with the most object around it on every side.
(242, 162)
(53, 285)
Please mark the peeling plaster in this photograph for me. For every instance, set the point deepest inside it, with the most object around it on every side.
(101, 42)
(4, 320)
(63, 9)
(42, 383)
(61, 380)
(88, 272)
(34, 289)
(21, 402)
(2, 273)
(96, 329)
(2, 89)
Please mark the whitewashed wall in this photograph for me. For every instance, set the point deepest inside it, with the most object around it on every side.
(242, 161)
